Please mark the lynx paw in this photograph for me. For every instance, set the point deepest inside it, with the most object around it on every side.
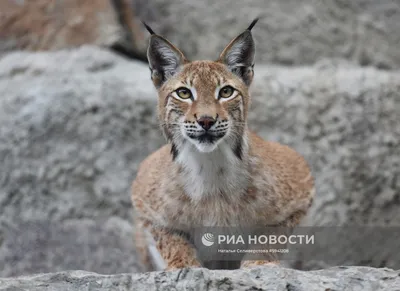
(253, 264)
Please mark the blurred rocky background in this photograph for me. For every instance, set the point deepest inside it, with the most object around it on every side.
(78, 114)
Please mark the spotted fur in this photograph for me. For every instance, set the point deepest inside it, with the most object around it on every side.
(224, 175)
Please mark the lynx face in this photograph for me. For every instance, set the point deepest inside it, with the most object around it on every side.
(203, 103)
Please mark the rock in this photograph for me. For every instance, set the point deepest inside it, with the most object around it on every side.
(289, 32)
(38, 246)
(81, 124)
(53, 25)
(264, 278)
(344, 119)
(72, 136)
(74, 126)
(47, 24)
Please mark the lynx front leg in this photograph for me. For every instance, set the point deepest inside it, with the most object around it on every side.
(162, 249)
(175, 249)
(265, 259)
(252, 264)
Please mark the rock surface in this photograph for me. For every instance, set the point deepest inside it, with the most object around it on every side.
(294, 32)
(345, 121)
(291, 32)
(103, 245)
(74, 126)
(53, 25)
(47, 24)
(267, 278)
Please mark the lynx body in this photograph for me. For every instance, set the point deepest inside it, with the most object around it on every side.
(213, 171)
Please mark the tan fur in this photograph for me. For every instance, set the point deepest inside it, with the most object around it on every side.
(271, 184)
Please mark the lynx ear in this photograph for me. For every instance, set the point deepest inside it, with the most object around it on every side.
(164, 58)
(238, 56)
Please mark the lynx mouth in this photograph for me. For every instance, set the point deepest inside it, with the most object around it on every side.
(207, 137)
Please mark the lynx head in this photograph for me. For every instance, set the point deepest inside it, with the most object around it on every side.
(203, 103)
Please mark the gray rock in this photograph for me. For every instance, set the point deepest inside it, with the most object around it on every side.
(291, 32)
(345, 121)
(266, 278)
(74, 126)
(39, 246)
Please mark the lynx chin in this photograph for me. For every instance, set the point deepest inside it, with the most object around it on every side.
(213, 171)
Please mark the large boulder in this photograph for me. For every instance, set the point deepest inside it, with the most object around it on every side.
(101, 245)
(53, 25)
(291, 32)
(74, 126)
(266, 278)
(346, 121)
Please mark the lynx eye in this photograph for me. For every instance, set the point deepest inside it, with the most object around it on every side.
(184, 93)
(226, 92)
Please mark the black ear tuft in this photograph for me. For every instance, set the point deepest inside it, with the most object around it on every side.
(238, 56)
(164, 58)
(252, 24)
(148, 28)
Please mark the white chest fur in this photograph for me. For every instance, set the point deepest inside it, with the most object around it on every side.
(219, 172)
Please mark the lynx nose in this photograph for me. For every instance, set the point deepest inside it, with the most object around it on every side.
(206, 121)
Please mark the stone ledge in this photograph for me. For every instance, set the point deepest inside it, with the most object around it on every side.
(262, 278)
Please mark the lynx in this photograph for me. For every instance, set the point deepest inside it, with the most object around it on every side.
(213, 171)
